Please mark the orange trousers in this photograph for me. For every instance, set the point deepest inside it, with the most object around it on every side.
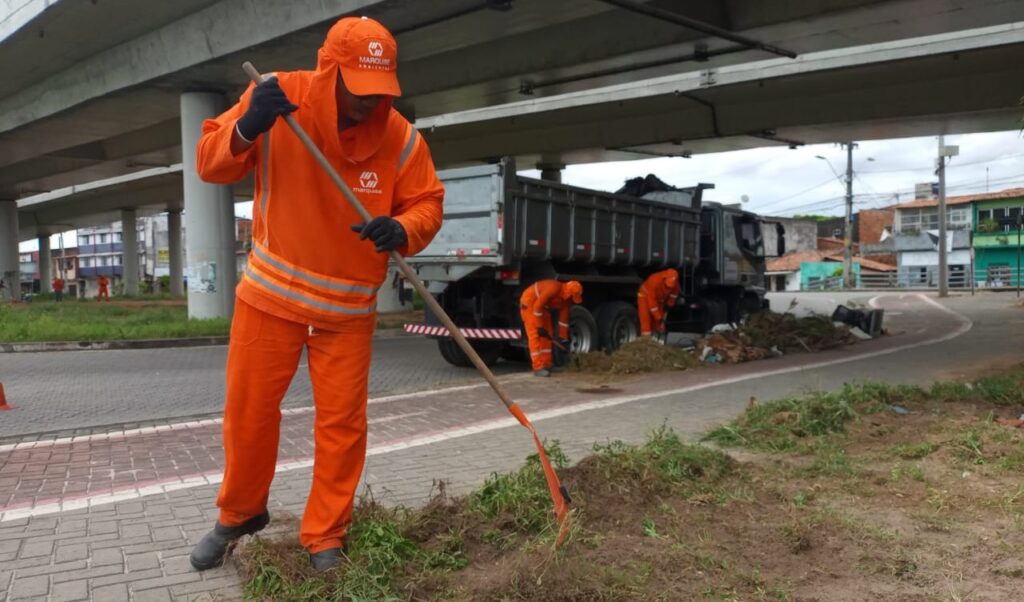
(651, 313)
(103, 294)
(262, 358)
(540, 347)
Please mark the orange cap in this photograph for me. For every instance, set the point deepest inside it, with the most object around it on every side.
(366, 54)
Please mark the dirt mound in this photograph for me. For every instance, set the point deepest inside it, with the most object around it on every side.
(641, 355)
(767, 334)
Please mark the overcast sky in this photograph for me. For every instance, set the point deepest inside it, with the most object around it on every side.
(780, 181)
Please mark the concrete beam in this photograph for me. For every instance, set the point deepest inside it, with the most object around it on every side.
(227, 27)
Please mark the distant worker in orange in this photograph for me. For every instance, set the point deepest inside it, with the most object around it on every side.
(104, 293)
(656, 295)
(535, 307)
(58, 289)
(314, 270)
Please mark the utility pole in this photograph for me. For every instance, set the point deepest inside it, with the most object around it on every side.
(848, 279)
(943, 269)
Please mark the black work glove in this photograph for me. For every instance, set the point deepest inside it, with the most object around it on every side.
(544, 333)
(267, 102)
(385, 232)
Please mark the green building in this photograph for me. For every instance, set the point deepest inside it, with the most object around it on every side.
(996, 236)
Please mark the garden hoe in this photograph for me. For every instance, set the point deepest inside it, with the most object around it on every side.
(559, 494)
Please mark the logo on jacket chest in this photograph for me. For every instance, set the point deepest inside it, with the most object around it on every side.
(369, 183)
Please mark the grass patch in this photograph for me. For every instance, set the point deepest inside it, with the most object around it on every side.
(93, 321)
(783, 424)
(125, 318)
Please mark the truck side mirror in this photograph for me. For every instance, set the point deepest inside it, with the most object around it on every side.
(780, 236)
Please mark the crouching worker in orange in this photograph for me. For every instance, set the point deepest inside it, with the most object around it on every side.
(656, 295)
(312, 275)
(535, 307)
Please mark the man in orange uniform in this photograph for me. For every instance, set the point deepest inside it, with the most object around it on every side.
(58, 289)
(658, 293)
(535, 307)
(310, 281)
(104, 293)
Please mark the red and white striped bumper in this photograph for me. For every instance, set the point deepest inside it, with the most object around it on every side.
(498, 334)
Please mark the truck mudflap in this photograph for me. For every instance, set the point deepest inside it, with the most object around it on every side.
(494, 334)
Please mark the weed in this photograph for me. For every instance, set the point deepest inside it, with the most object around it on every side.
(938, 499)
(649, 528)
(832, 460)
(521, 497)
(914, 451)
(969, 447)
(664, 461)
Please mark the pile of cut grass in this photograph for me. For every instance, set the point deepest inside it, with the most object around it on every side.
(636, 357)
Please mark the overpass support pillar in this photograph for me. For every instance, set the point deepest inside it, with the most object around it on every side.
(551, 172)
(129, 252)
(174, 251)
(9, 270)
(46, 265)
(209, 219)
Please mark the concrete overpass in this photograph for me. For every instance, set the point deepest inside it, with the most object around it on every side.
(104, 89)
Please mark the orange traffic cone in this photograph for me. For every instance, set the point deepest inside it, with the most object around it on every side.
(3, 399)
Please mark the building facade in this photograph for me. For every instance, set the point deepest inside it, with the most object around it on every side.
(997, 241)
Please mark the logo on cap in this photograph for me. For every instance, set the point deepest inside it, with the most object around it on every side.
(376, 48)
(368, 179)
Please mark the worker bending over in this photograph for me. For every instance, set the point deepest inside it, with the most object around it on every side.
(312, 278)
(535, 306)
(656, 295)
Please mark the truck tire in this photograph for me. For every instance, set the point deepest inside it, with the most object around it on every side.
(617, 324)
(489, 352)
(583, 334)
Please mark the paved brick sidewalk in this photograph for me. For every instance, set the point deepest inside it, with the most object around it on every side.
(61, 540)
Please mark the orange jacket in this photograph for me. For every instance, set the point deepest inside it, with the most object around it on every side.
(58, 285)
(306, 264)
(547, 295)
(104, 281)
(662, 288)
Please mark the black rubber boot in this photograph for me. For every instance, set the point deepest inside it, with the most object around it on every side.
(543, 372)
(214, 546)
(328, 559)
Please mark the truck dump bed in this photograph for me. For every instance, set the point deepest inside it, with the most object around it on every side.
(495, 218)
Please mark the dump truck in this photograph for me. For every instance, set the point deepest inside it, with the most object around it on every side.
(502, 232)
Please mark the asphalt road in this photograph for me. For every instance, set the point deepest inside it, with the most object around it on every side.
(78, 389)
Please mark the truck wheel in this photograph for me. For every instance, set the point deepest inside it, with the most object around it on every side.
(489, 352)
(583, 333)
(617, 324)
